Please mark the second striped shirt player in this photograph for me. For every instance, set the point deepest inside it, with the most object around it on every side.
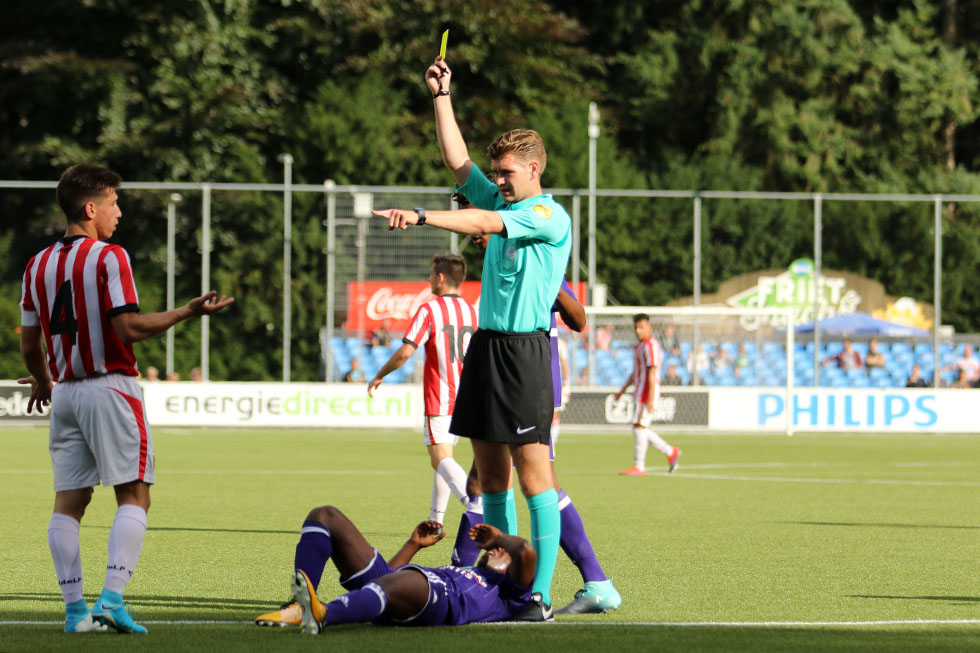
(444, 325)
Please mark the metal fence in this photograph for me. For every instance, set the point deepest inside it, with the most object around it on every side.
(357, 248)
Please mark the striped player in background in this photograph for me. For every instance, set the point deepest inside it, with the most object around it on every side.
(444, 324)
(647, 360)
(79, 318)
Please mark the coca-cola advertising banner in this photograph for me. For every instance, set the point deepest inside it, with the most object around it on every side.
(370, 302)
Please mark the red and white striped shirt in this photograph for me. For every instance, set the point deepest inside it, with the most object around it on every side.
(71, 290)
(445, 325)
(646, 354)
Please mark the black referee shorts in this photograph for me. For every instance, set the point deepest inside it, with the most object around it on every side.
(505, 391)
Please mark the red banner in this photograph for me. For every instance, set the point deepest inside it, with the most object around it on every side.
(371, 302)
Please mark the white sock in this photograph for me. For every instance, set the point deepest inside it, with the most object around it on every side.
(440, 498)
(555, 430)
(659, 443)
(639, 448)
(125, 546)
(454, 474)
(66, 554)
(475, 504)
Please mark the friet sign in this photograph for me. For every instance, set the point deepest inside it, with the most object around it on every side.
(796, 289)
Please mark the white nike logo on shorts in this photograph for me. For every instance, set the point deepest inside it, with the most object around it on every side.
(523, 431)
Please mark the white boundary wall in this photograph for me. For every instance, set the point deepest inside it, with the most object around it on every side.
(338, 405)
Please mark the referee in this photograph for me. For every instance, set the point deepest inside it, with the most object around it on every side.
(504, 403)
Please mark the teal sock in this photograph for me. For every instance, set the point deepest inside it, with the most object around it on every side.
(546, 539)
(497, 513)
(511, 513)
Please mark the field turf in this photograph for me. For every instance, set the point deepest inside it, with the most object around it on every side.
(755, 543)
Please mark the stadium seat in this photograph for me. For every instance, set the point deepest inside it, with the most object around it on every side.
(770, 348)
(880, 373)
(900, 348)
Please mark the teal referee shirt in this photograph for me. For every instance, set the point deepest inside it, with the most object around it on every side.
(522, 272)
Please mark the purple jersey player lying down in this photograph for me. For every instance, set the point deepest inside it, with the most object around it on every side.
(399, 593)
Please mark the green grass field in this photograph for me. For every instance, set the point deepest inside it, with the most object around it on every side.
(755, 543)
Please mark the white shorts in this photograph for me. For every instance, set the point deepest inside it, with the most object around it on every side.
(435, 430)
(99, 432)
(641, 414)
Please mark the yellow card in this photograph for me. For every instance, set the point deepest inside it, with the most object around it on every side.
(442, 48)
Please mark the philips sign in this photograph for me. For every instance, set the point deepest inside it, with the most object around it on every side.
(849, 412)
(843, 410)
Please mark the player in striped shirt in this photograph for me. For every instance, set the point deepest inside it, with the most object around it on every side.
(647, 359)
(79, 318)
(444, 325)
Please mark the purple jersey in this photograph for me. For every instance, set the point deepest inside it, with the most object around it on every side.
(457, 595)
(475, 594)
(555, 361)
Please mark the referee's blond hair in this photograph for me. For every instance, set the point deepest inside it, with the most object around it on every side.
(525, 144)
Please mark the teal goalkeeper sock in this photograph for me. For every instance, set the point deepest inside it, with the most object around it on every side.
(500, 511)
(545, 538)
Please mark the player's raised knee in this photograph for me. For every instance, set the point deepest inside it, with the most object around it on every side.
(326, 515)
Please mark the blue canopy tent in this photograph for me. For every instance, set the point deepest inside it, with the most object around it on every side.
(861, 324)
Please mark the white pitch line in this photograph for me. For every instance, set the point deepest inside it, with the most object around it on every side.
(260, 472)
(647, 624)
(757, 465)
(929, 463)
(832, 481)
(754, 624)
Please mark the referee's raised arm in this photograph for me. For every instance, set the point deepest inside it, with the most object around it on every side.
(451, 143)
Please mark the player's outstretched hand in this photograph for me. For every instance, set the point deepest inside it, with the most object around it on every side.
(485, 535)
(209, 303)
(427, 533)
(398, 219)
(373, 385)
(40, 393)
(438, 73)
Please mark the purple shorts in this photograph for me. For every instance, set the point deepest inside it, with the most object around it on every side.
(373, 571)
(436, 608)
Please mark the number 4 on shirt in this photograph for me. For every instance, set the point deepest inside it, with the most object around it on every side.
(63, 313)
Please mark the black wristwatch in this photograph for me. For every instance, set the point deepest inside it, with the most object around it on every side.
(421, 213)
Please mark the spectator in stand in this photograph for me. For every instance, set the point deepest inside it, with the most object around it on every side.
(967, 363)
(669, 342)
(915, 379)
(962, 381)
(355, 374)
(603, 337)
(380, 337)
(152, 374)
(741, 361)
(874, 358)
(195, 374)
(173, 376)
(848, 359)
(671, 378)
(698, 363)
(721, 361)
